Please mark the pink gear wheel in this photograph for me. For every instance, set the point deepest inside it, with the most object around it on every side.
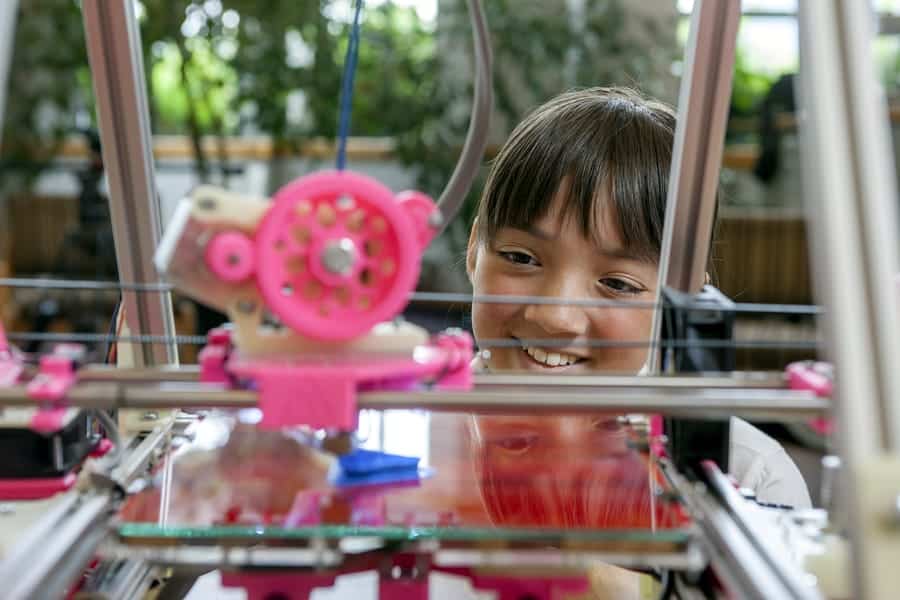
(336, 254)
(230, 256)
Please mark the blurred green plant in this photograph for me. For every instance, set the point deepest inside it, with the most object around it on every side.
(749, 86)
(48, 86)
(224, 67)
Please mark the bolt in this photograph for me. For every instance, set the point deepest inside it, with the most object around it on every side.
(246, 306)
(149, 416)
(338, 257)
(435, 219)
(207, 203)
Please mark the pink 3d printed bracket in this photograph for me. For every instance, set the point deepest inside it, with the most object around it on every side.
(297, 585)
(50, 386)
(322, 394)
(10, 366)
(815, 377)
(336, 254)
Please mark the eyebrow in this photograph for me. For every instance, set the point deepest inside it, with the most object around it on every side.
(609, 252)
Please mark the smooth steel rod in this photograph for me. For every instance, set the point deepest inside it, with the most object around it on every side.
(696, 402)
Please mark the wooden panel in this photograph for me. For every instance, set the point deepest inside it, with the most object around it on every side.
(38, 227)
(763, 259)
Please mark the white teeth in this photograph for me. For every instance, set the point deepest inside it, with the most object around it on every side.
(553, 359)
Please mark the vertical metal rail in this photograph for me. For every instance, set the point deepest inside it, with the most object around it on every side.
(851, 201)
(117, 70)
(8, 12)
(703, 103)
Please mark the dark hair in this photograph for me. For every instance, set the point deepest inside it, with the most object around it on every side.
(597, 137)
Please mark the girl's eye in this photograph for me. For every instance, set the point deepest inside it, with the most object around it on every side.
(517, 444)
(518, 258)
(619, 286)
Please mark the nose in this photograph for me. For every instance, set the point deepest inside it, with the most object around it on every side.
(559, 318)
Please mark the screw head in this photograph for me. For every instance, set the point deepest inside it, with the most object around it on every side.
(207, 203)
(246, 306)
(435, 219)
(339, 256)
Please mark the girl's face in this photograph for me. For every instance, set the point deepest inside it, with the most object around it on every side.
(552, 258)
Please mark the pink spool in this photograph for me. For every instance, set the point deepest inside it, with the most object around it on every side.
(337, 253)
(230, 255)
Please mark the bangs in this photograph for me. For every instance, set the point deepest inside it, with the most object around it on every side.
(594, 141)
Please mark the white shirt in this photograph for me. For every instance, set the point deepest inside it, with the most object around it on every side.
(759, 463)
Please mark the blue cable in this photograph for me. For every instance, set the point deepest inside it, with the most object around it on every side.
(347, 89)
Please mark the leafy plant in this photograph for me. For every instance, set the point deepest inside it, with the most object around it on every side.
(48, 89)
(224, 67)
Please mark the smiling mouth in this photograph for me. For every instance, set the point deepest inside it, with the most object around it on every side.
(550, 358)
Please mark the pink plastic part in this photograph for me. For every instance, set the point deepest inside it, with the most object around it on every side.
(657, 447)
(420, 208)
(336, 209)
(369, 510)
(298, 585)
(816, 378)
(50, 386)
(810, 376)
(306, 510)
(319, 397)
(48, 420)
(538, 588)
(10, 370)
(10, 366)
(231, 256)
(34, 489)
(103, 447)
(323, 395)
(457, 373)
(56, 376)
(214, 356)
(285, 585)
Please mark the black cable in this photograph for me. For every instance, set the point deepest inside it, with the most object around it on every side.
(667, 585)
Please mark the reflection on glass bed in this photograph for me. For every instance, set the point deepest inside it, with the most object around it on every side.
(525, 481)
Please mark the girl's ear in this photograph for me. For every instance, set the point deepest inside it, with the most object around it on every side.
(472, 251)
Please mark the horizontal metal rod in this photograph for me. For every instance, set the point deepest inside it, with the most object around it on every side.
(109, 373)
(82, 284)
(524, 397)
(212, 553)
(695, 403)
(104, 338)
(199, 340)
(737, 379)
(428, 297)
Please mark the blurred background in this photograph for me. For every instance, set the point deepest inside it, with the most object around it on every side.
(244, 93)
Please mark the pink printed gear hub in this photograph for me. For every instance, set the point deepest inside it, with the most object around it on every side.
(336, 254)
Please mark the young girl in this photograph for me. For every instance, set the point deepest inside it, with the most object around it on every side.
(574, 208)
